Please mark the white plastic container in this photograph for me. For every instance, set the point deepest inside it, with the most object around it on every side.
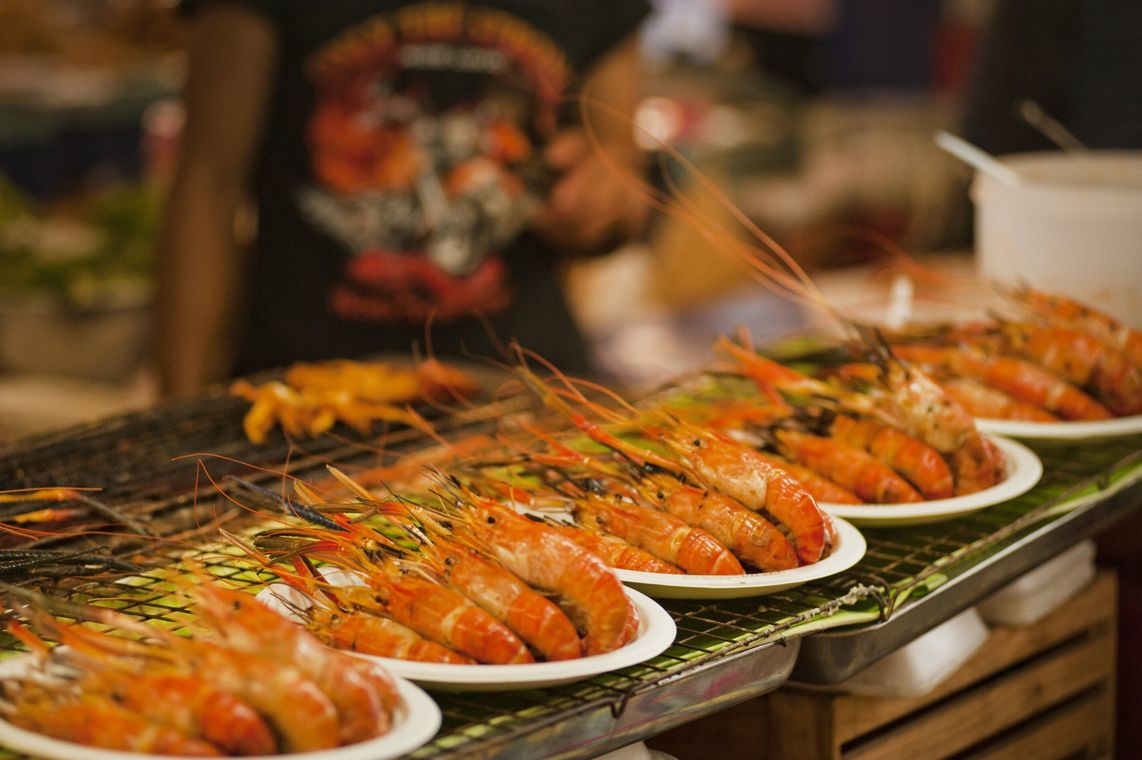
(1038, 593)
(922, 665)
(1073, 226)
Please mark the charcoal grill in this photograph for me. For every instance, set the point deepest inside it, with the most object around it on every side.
(726, 650)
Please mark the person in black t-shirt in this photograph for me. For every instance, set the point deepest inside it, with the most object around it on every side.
(411, 163)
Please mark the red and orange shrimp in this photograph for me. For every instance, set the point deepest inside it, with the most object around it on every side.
(918, 462)
(705, 456)
(851, 468)
(614, 551)
(822, 489)
(670, 539)
(414, 600)
(1062, 310)
(751, 537)
(533, 617)
(1021, 379)
(1082, 359)
(302, 716)
(991, 403)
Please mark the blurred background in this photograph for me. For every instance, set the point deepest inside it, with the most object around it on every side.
(813, 118)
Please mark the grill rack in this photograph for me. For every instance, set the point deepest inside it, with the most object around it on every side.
(148, 485)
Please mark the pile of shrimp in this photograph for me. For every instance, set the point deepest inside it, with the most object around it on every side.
(1057, 359)
(503, 551)
(252, 683)
(453, 577)
(315, 396)
(877, 431)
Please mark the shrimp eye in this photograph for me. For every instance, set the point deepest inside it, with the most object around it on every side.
(697, 441)
(491, 520)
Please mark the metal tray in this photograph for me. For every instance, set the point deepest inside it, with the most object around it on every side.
(618, 719)
(831, 657)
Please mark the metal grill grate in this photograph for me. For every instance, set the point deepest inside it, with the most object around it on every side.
(142, 481)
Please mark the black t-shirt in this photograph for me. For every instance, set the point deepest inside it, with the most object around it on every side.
(398, 170)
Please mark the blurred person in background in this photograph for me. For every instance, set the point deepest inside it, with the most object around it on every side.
(416, 172)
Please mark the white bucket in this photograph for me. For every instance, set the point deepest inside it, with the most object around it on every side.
(1073, 226)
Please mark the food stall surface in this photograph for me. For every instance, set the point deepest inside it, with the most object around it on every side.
(726, 650)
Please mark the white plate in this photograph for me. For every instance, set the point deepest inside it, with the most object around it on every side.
(416, 721)
(1063, 430)
(655, 633)
(849, 549)
(1023, 471)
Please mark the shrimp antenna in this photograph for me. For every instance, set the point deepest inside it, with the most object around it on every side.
(524, 354)
(291, 507)
(65, 608)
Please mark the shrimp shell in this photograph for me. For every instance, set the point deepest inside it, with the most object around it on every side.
(1082, 359)
(820, 487)
(363, 698)
(1019, 378)
(737, 471)
(546, 559)
(191, 705)
(445, 616)
(381, 637)
(984, 401)
(532, 616)
(665, 536)
(97, 720)
(921, 464)
(851, 468)
(746, 533)
(616, 552)
(1062, 310)
(303, 717)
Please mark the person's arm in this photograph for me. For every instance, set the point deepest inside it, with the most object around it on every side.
(590, 206)
(232, 55)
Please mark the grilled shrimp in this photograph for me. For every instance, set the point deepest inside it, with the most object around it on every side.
(362, 632)
(98, 720)
(190, 705)
(822, 489)
(546, 559)
(852, 468)
(665, 536)
(984, 401)
(902, 397)
(736, 470)
(746, 533)
(927, 413)
(532, 616)
(445, 616)
(1061, 310)
(303, 717)
(709, 458)
(362, 694)
(921, 464)
(410, 597)
(528, 614)
(614, 551)
(1081, 359)
(1019, 378)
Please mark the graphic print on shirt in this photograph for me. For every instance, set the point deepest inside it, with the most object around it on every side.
(422, 144)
